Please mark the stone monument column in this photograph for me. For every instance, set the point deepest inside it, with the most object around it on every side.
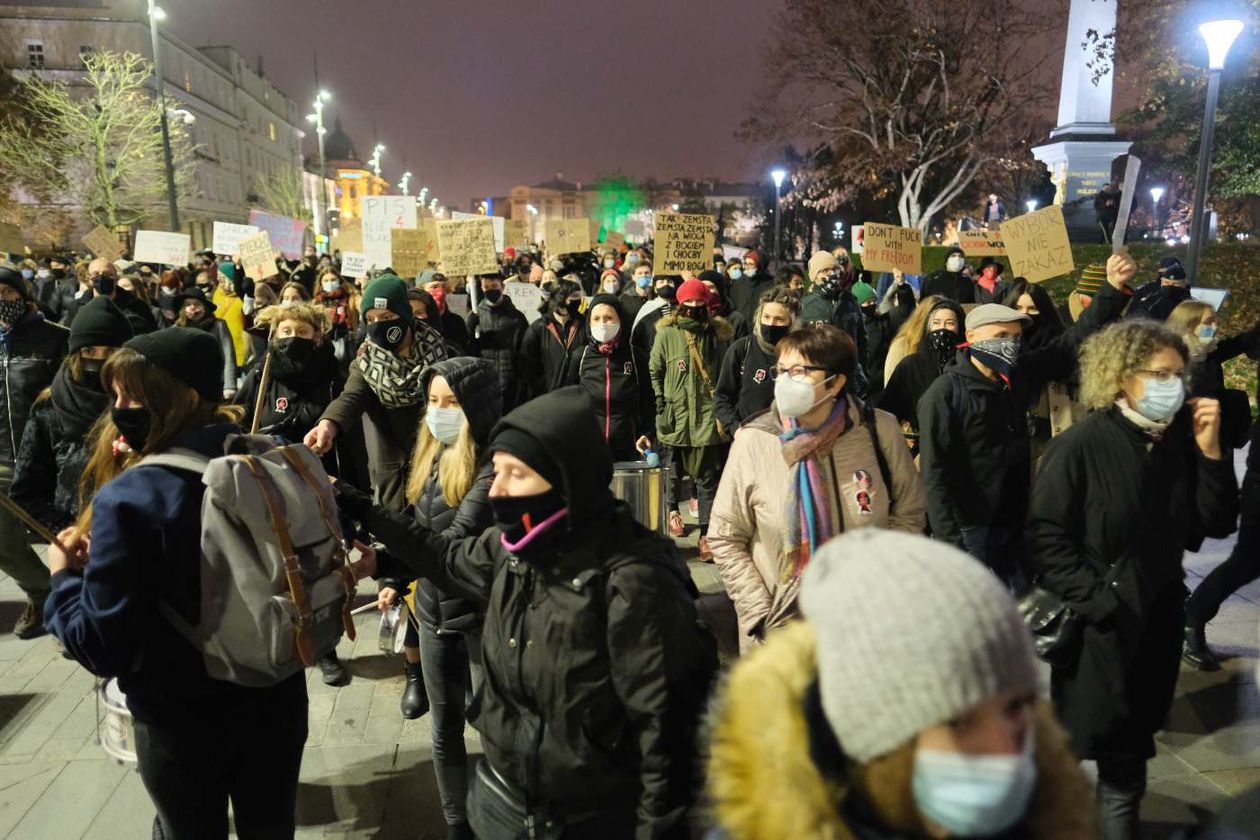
(1084, 144)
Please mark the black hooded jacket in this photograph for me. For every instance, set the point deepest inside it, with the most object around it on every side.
(297, 394)
(30, 355)
(595, 668)
(55, 449)
(496, 333)
(916, 372)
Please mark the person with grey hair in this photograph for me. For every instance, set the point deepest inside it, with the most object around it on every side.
(1119, 498)
(904, 705)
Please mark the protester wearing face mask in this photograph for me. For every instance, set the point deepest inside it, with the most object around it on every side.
(341, 301)
(746, 289)
(665, 289)
(822, 733)
(950, 281)
(1157, 299)
(937, 340)
(685, 361)
(229, 303)
(720, 304)
(745, 386)
(56, 288)
(198, 312)
(615, 375)
(819, 463)
(990, 287)
(454, 330)
(448, 493)
(1120, 497)
(831, 301)
(610, 281)
(880, 320)
(595, 670)
(102, 280)
(54, 445)
(553, 339)
(976, 456)
(384, 388)
(638, 291)
(496, 329)
(425, 310)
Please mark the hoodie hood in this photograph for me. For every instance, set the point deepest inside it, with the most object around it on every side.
(607, 300)
(475, 383)
(563, 424)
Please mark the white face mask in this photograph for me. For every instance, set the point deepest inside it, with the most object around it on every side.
(955, 264)
(796, 399)
(609, 263)
(330, 286)
(610, 286)
(604, 333)
(974, 795)
(445, 424)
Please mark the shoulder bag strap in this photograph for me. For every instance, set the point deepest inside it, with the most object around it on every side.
(868, 418)
(698, 361)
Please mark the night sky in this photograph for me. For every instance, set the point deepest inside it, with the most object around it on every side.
(476, 96)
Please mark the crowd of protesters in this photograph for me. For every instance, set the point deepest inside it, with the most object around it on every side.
(878, 466)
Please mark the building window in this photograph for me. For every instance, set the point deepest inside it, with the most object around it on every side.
(85, 52)
(35, 55)
(271, 131)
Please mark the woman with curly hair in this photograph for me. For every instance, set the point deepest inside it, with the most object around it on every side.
(1120, 496)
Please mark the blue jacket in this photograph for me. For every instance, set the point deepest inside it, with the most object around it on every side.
(146, 535)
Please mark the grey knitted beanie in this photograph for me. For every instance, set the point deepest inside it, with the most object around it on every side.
(911, 632)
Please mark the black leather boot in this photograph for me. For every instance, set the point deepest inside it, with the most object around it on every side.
(1195, 650)
(334, 672)
(415, 702)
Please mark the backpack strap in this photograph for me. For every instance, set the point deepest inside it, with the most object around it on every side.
(188, 460)
(297, 591)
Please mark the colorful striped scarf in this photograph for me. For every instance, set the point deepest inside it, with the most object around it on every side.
(812, 514)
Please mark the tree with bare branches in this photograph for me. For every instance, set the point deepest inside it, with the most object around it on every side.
(908, 98)
(94, 147)
(282, 194)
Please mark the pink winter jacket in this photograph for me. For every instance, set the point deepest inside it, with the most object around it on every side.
(747, 523)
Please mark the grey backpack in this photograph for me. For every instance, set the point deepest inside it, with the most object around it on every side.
(276, 586)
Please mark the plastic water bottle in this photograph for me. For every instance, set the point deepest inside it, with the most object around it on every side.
(652, 459)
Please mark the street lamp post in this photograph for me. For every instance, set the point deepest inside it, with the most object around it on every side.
(1031, 204)
(318, 118)
(402, 185)
(778, 175)
(375, 162)
(1219, 35)
(1156, 194)
(156, 15)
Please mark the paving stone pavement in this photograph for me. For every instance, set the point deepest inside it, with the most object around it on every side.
(366, 772)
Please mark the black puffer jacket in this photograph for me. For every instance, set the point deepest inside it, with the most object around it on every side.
(496, 334)
(596, 671)
(30, 355)
(54, 450)
(546, 350)
(297, 394)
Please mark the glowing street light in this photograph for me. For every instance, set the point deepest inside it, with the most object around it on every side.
(375, 161)
(318, 119)
(778, 175)
(1031, 204)
(156, 16)
(406, 179)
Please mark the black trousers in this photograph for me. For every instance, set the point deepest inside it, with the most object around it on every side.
(193, 768)
(1243, 564)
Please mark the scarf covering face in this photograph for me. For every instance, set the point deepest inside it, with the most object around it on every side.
(393, 379)
(77, 405)
(812, 516)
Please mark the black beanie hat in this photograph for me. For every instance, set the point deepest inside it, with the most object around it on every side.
(525, 446)
(190, 355)
(100, 323)
(10, 276)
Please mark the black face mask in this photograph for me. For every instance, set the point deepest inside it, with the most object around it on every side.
(943, 341)
(574, 308)
(695, 313)
(493, 296)
(774, 334)
(297, 349)
(58, 273)
(105, 284)
(92, 373)
(134, 424)
(388, 334)
(666, 292)
(517, 516)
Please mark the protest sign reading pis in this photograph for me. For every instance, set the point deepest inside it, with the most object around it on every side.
(981, 243)
(467, 247)
(163, 247)
(568, 236)
(227, 237)
(257, 255)
(354, 264)
(684, 242)
(888, 247)
(11, 239)
(101, 242)
(286, 233)
(1037, 245)
(382, 214)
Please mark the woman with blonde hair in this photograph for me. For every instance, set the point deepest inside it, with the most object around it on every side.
(1119, 498)
(932, 335)
(909, 337)
(448, 489)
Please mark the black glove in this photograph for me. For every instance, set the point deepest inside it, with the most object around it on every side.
(352, 501)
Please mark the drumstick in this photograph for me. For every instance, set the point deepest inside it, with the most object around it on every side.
(32, 523)
(364, 609)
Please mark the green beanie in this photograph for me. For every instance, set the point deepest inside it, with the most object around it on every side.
(228, 269)
(863, 292)
(387, 291)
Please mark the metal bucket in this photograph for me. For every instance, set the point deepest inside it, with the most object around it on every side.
(644, 488)
(115, 730)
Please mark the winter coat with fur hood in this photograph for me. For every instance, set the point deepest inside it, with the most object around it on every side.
(684, 395)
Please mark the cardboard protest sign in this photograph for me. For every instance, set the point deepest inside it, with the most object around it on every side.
(430, 253)
(103, 243)
(516, 234)
(1131, 169)
(568, 236)
(227, 237)
(981, 243)
(257, 255)
(354, 264)
(286, 234)
(407, 249)
(1214, 298)
(382, 214)
(498, 222)
(1037, 245)
(163, 247)
(11, 239)
(467, 247)
(349, 238)
(614, 239)
(684, 242)
(733, 253)
(888, 247)
(526, 297)
(595, 228)
(859, 239)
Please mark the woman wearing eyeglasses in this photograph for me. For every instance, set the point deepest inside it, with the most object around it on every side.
(1119, 498)
(819, 453)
